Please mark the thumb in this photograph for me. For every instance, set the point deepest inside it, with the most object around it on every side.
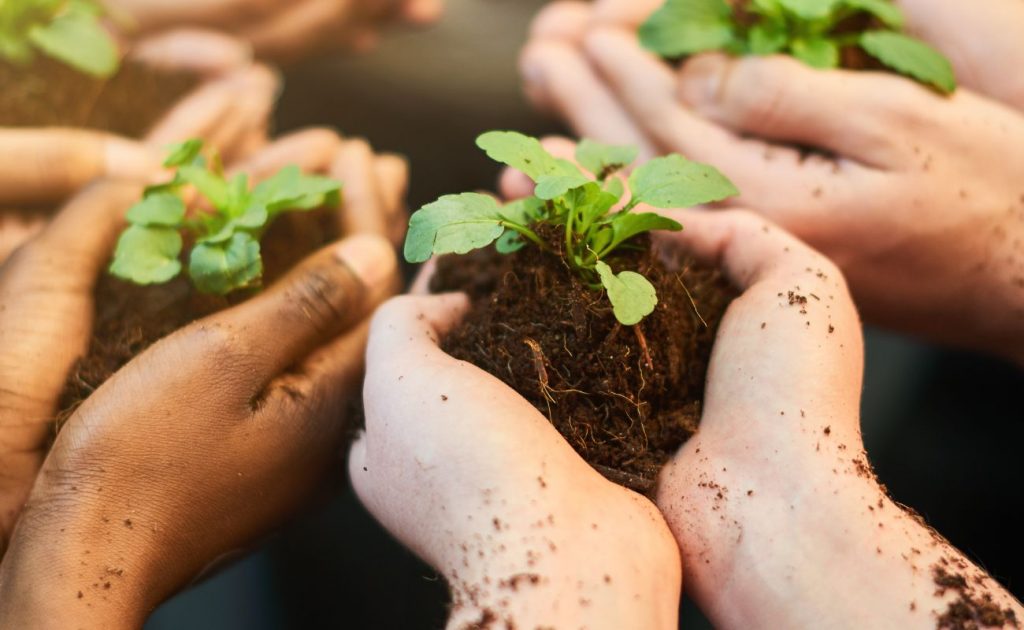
(779, 98)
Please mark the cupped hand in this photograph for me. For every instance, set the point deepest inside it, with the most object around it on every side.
(230, 109)
(917, 197)
(775, 492)
(281, 29)
(477, 482)
(46, 287)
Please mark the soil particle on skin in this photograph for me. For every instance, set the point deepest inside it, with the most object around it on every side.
(129, 318)
(625, 398)
(971, 610)
(47, 93)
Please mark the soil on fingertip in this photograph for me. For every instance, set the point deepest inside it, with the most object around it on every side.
(47, 93)
(129, 318)
(626, 398)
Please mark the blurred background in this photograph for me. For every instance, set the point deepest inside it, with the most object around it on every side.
(942, 428)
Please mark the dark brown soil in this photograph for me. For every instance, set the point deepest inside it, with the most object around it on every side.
(626, 398)
(974, 607)
(129, 318)
(48, 94)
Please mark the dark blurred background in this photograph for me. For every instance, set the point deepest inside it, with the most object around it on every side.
(943, 428)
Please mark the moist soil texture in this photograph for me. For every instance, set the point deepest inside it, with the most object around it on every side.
(626, 398)
(47, 93)
(129, 317)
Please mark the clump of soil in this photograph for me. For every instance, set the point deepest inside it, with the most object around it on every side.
(626, 398)
(971, 609)
(129, 318)
(48, 93)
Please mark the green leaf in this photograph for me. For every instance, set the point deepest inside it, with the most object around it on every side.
(238, 194)
(159, 209)
(603, 160)
(910, 57)
(590, 203)
(509, 243)
(767, 38)
(809, 9)
(615, 187)
(686, 27)
(77, 38)
(627, 225)
(147, 255)
(454, 224)
(289, 189)
(225, 267)
(675, 182)
(183, 153)
(552, 186)
(209, 185)
(817, 52)
(632, 296)
(529, 156)
(887, 12)
(523, 211)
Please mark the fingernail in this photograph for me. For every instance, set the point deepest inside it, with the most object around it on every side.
(532, 72)
(369, 257)
(701, 80)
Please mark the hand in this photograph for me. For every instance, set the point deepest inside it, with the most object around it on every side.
(230, 109)
(281, 29)
(46, 288)
(921, 202)
(477, 482)
(775, 491)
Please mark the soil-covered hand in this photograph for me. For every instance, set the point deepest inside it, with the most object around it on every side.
(46, 288)
(774, 501)
(281, 29)
(477, 482)
(916, 196)
(230, 109)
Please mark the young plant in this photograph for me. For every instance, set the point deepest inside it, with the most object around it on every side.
(225, 240)
(67, 30)
(580, 205)
(814, 31)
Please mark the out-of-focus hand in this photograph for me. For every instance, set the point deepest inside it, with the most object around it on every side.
(477, 482)
(919, 199)
(281, 29)
(46, 287)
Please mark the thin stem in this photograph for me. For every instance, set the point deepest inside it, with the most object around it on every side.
(525, 232)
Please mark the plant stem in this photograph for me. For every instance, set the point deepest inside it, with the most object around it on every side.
(525, 232)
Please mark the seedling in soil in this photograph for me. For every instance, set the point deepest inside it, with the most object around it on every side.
(582, 206)
(225, 237)
(67, 30)
(814, 31)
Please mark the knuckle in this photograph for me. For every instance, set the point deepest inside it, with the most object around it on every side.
(323, 297)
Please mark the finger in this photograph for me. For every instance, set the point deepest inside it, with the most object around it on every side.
(780, 98)
(557, 76)
(298, 28)
(421, 285)
(204, 52)
(251, 112)
(161, 14)
(625, 13)
(312, 150)
(47, 165)
(246, 92)
(16, 230)
(362, 210)
(326, 294)
(566, 20)
(422, 11)
(392, 173)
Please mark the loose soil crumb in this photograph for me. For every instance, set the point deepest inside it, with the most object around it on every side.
(129, 318)
(970, 610)
(625, 398)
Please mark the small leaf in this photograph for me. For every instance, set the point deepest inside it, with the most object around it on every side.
(159, 209)
(767, 38)
(910, 57)
(614, 186)
(632, 296)
(525, 154)
(887, 12)
(209, 185)
(523, 211)
(225, 267)
(77, 38)
(817, 52)
(183, 153)
(552, 186)
(627, 225)
(454, 224)
(675, 182)
(147, 255)
(686, 27)
(603, 160)
(809, 9)
(590, 203)
(509, 242)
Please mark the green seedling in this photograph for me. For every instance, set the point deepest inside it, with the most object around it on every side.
(814, 31)
(67, 30)
(225, 239)
(581, 205)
